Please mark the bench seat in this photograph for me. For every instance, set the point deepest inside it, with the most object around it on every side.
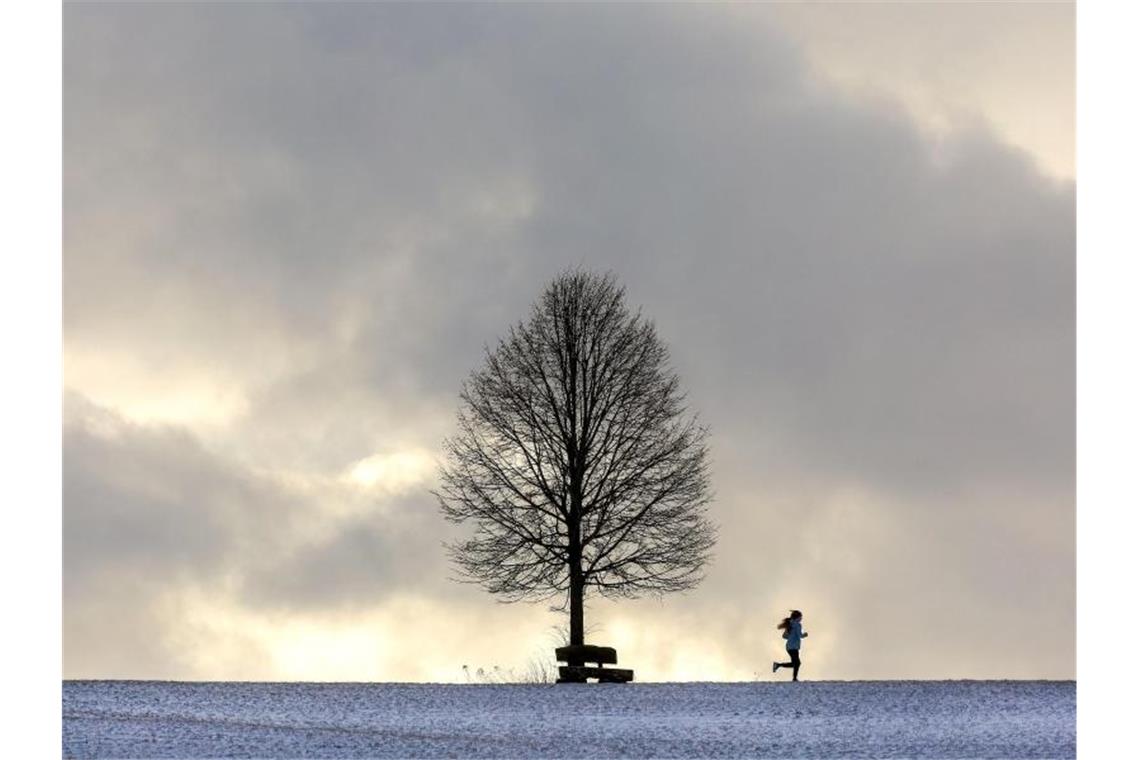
(580, 654)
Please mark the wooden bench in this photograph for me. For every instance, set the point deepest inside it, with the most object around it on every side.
(576, 671)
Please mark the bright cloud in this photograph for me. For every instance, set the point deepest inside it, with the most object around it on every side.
(396, 472)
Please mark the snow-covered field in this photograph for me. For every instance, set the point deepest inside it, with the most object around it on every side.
(959, 719)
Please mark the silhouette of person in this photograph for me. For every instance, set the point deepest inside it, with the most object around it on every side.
(792, 626)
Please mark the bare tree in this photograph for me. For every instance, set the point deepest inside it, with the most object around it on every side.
(576, 459)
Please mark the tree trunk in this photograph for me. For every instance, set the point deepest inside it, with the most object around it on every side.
(577, 627)
(577, 581)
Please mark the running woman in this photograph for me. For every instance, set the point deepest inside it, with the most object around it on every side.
(792, 626)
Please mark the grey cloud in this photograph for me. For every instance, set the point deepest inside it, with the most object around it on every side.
(151, 500)
(849, 304)
(366, 561)
(149, 511)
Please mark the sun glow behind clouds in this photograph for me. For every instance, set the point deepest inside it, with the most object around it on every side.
(392, 472)
(313, 651)
(149, 395)
(276, 645)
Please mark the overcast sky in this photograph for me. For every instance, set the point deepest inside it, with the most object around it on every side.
(291, 229)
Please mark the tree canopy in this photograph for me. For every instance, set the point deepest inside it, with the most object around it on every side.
(576, 458)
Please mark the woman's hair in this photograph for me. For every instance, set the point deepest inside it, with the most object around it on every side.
(787, 622)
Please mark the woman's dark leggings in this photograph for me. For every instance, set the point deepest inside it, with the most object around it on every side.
(794, 664)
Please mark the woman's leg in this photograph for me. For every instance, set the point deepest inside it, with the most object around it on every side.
(794, 663)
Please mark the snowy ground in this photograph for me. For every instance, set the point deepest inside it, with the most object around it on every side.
(959, 719)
